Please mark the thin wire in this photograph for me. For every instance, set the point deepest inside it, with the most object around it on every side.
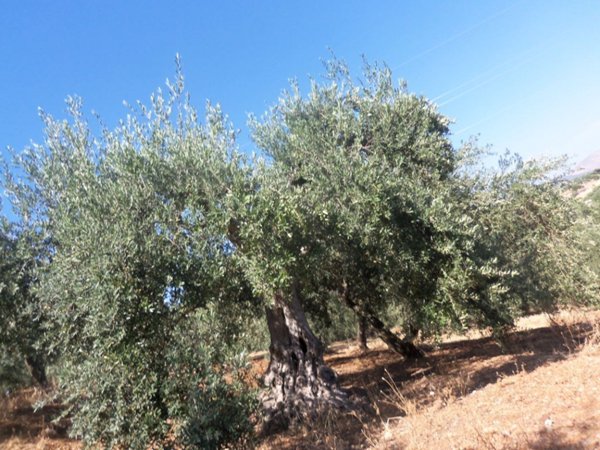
(509, 62)
(493, 115)
(456, 36)
(483, 83)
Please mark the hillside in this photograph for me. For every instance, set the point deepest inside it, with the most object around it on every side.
(589, 163)
(555, 406)
(472, 392)
(553, 403)
(537, 390)
(583, 186)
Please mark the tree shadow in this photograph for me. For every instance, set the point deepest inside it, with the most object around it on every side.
(456, 368)
(563, 439)
(22, 420)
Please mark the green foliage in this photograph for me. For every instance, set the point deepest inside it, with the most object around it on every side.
(144, 255)
(364, 195)
(346, 199)
(139, 243)
(127, 401)
(515, 245)
(359, 175)
(13, 372)
(209, 396)
(588, 226)
(330, 319)
(24, 321)
(535, 222)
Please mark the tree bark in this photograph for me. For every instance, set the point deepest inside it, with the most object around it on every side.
(404, 347)
(37, 370)
(299, 384)
(361, 336)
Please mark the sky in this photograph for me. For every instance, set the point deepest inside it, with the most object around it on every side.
(521, 75)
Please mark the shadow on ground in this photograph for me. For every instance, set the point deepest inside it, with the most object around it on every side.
(21, 419)
(450, 371)
(382, 379)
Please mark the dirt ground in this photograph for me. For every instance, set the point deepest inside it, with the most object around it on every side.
(24, 426)
(587, 188)
(538, 390)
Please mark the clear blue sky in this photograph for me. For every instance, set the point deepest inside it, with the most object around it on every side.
(523, 75)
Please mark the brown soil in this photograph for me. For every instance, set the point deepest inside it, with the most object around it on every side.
(24, 426)
(539, 390)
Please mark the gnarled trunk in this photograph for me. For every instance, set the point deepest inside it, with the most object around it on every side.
(298, 382)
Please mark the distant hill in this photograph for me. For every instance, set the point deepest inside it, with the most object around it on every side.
(589, 164)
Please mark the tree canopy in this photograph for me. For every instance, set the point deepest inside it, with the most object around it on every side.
(143, 257)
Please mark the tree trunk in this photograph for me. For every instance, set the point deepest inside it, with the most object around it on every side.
(37, 369)
(361, 336)
(404, 347)
(298, 382)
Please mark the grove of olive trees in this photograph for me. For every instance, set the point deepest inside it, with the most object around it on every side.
(140, 263)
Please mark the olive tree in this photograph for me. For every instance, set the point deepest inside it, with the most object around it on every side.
(348, 193)
(165, 242)
(588, 225)
(24, 323)
(139, 229)
(363, 197)
(528, 227)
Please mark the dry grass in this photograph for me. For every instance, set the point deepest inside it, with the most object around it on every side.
(395, 396)
(553, 405)
(578, 331)
(538, 390)
(472, 392)
(25, 426)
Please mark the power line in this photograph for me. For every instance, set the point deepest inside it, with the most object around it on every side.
(490, 73)
(484, 82)
(456, 36)
(495, 114)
